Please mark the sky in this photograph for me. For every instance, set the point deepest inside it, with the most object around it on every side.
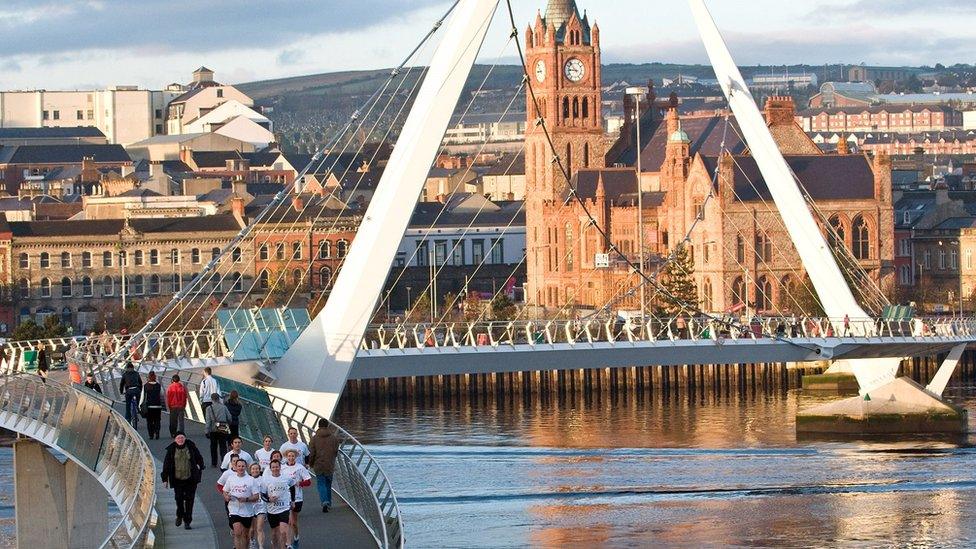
(80, 44)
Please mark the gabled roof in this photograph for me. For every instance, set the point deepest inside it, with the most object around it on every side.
(453, 214)
(828, 177)
(705, 132)
(215, 159)
(62, 154)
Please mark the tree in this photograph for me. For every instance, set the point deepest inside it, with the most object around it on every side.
(502, 308)
(53, 328)
(420, 310)
(28, 331)
(474, 309)
(806, 298)
(678, 280)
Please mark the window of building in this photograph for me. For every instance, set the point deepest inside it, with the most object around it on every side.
(154, 257)
(106, 259)
(236, 255)
(80, 115)
(108, 286)
(24, 261)
(65, 259)
(478, 251)
(942, 260)
(764, 249)
(953, 259)
(159, 113)
(238, 282)
(836, 234)
(86, 260)
(90, 115)
(440, 252)
(86, 287)
(46, 115)
(138, 285)
(764, 299)
(904, 275)
(175, 256)
(907, 217)
(458, 253)
(154, 284)
(177, 282)
(124, 258)
(706, 250)
(297, 277)
(57, 115)
(24, 285)
(860, 239)
(263, 252)
(45, 287)
(707, 300)
(969, 259)
(739, 295)
(927, 259)
(904, 247)
(65, 287)
(325, 249)
(498, 253)
(214, 253)
(325, 277)
(342, 248)
(195, 256)
(740, 249)
(423, 254)
(296, 250)
(139, 259)
(220, 92)
(263, 280)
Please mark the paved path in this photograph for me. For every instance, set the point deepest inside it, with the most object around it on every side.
(340, 527)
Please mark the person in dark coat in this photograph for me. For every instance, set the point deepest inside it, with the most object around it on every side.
(42, 364)
(235, 408)
(91, 384)
(152, 398)
(130, 387)
(182, 469)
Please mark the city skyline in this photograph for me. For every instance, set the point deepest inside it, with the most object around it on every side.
(84, 48)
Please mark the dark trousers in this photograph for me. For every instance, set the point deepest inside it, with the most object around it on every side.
(132, 406)
(218, 447)
(153, 416)
(235, 430)
(184, 491)
(176, 421)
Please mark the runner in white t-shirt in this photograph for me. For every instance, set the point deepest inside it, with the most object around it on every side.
(260, 509)
(278, 491)
(236, 447)
(302, 478)
(263, 455)
(294, 444)
(240, 493)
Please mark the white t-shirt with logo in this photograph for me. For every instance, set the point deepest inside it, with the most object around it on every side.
(225, 464)
(264, 457)
(259, 506)
(224, 476)
(242, 487)
(299, 446)
(277, 487)
(299, 474)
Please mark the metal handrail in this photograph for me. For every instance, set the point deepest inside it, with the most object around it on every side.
(70, 420)
(359, 479)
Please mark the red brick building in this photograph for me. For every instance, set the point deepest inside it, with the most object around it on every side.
(24, 162)
(896, 119)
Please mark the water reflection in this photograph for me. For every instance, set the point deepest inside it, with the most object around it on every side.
(629, 471)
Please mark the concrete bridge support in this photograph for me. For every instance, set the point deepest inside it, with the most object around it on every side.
(57, 504)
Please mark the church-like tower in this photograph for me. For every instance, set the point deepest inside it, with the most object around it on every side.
(563, 61)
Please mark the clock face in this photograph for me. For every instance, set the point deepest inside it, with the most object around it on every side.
(575, 70)
(540, 71)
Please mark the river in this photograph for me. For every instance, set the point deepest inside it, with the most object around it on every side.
(629, 472)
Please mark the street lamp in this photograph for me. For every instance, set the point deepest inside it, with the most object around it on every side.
(638, 94)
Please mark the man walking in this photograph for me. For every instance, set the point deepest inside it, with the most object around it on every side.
(182, 468)
(176, 402)
(217, 429)
(324, 449)
(131, 387)
(208, 388)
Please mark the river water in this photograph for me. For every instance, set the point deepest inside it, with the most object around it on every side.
(629, 472)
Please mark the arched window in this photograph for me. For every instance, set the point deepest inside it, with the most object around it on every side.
(708, 303)
(325, 249)
(764, 248)
(138, 285)
(65, 287)
(569, 159)
(45, 287)
(576, 105)
(263, 282)
(236, 255)
(837, 233)
(65, 259)
(139, 258)
(787, 288)
(108, 286)
(342, 248)
(86, 260)
(296, 250)
(569, 248)
(264, 253)
(297, 277)
(238, 282)
(86, 287)
(565, 108)
(280, 251)
(214, 253)
(586, 108)
(24, 261)
(739, 296)
(764, 294)
(177, 282)
(860, 239)
(24, 285)
(106, 259)
(740, 249)
(325, 277)
(154, 284)
(45, 261)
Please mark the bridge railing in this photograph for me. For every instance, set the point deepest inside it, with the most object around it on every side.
(85, 428)
(359, 480)
(384, 337)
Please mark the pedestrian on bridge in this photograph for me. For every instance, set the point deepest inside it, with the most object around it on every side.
(130, 387)
(235, 408)
(324, 449)
(236, 449)
(182, 470)
(152, 403)
(218, 428)
(263, 454)
(91, 384)
(176, 402)
(294, 444)
(208, 388)
(279, 495)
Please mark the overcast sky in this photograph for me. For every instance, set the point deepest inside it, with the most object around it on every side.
(74, 44)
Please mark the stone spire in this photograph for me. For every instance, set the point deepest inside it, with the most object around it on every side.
(559, 12)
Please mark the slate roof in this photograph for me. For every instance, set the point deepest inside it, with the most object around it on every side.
(62, 154)
(215, 159)
(50, 133)
(706, 135)
(447, 215)
(508, 164)
(833, 177)
(616, 182)
(112, 227)
(956, 223)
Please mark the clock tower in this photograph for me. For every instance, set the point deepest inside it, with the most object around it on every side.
(563, 63)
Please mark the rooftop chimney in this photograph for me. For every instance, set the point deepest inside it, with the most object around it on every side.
(298, 203)
(237, 207)
(780, 110)
(843, 147)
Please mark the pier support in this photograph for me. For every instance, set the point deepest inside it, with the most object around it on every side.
(57, 504)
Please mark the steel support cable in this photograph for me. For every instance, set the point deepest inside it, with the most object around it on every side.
(844, 255)
(575, 196)
(185, 290)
